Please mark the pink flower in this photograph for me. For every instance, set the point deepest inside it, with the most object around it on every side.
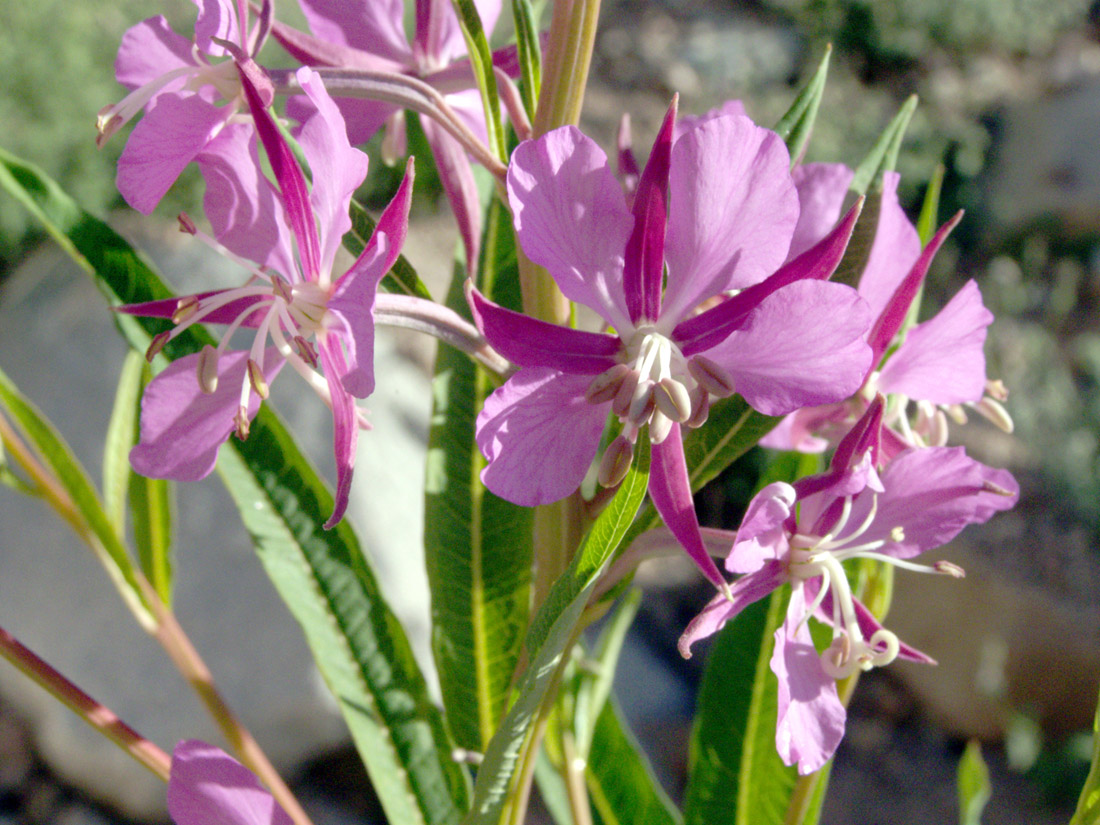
(714, 211)
(187, 98)
(207, 786)
(311, 318)
(371, 36)
(802, 533)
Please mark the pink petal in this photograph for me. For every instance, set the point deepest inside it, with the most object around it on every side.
(352, 303)
(457, 177)
(571, 217)
(217, 18)
(337, 168)
(941, 360)
(244, 209)
(345, 425)
(802, 346)
(181, 427)
(763, 536)
(688, 122)
(168, 138)
(539, 413)
(797, 431)
(207, 786)
(894, 251)
(376, 27)
(149, 50)
(670, 491)
(811, 718)
(732, 210)
(932, 493)
(821, 190)
(719, 610)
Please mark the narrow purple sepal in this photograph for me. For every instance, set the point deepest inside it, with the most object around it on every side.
(865, 435)
(314, 51)
(670, 490)
(644, 265)
(711, 327)
(345, 425)
(891, 319)
(529, 342)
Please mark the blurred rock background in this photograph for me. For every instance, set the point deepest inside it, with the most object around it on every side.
(1010, 104)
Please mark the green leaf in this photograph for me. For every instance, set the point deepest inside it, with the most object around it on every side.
(481, 61)
(551, 636)
(90, 519)
(930, 207)
(796, 126)
(883, 156)
(477, 546)
(1088, 805)
(119, 440)
(360, 647)
(529, 50)
(621, 784)
(973, 784)
(735, 773)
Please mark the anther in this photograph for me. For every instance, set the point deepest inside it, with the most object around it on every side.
(185, 308)
(642, 402)
(949, 569)
(240, 421)
(606, 385)
(994, 411)
(280, 288)
(996, 489)
(660, 425)
(957, 413)
(187, 226)
(156, 345)
(711, 376)
(996, 390)
(207, 369)
(897, 534)
(672, 398)
(615, 462)
(256, 379)
(937, 429)
(700, 407)
(621, 403)
(306, 351)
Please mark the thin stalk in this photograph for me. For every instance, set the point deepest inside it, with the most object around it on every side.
(97, 715)
(573, 771)
(568, 58)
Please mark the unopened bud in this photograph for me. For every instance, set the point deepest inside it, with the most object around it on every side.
(606, 385)
(207, 369)
(256, 379)
(615, 462)
(156, 345)
(711, 376)
(672, 399)
(949, 569)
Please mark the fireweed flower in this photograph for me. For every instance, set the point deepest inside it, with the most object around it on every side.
(189, 92)
(370, 35)
(801, 534)
(311, 318)
(207, 786)
(938, 367)
(731, 210)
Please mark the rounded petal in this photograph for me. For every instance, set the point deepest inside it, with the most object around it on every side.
(821, 190)
(149, 50)
(688, 122)
(539, 436)
(811, 718)
(182, 427)
(797, 431)
(930, 495)
(895, 249)
(337, 167)
(762, 536)
(942, 360)
(720, 609)
(732, 210)
(207, 786)
(802, 346)
(376, 27)
(217, 18)
(168, 138)
(571, 217)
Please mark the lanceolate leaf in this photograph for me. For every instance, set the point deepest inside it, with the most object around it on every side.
(552, 633)
(120, 438)
(530, 54)
(481, 60)
(796, 126)
(402, 277)
(1088, 805)
(359, 646)
(883, 156)
(477, 546)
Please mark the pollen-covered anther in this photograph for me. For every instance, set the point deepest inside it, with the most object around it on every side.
(241, 423)
(897, 533)
(185, 308)
(306, 351)
(711, 376)
(280, 288)
(107, 122)
(660, 425)
(992, 409)
(949, 569)
(156, 345)
(605, 386)
(836, 660)
(620, 404)
(187, 226)
(700, 407)
(672, 399)
(206, 369)
(256, 379)
(615, 462)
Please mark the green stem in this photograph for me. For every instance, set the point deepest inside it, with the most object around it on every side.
(99, 716)
(568, 57)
